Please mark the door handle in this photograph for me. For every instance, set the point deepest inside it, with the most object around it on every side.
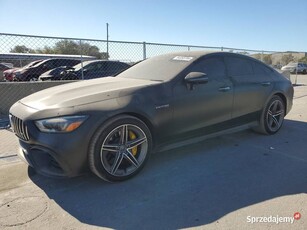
(266, 83)
(224, 89)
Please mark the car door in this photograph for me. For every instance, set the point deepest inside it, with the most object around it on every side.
(206, 104)
(250, 89)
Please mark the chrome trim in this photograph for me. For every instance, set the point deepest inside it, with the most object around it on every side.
(19, 128)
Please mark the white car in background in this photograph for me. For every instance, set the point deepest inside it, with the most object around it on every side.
(296, 67)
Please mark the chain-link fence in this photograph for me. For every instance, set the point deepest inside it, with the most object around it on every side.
(31, 58)
(76, 59)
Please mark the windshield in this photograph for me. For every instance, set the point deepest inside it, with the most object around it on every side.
(32, 63)
(160, 68)
(80, 65)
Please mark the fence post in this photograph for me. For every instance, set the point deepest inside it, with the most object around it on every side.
(81, 59)
(262, 55)
(222, 48)
(144, 50)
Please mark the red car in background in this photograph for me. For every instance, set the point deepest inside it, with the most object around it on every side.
(3, 67)
(9, 74)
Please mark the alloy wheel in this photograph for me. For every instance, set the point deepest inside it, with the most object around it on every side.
(275, 115)
(123, 150)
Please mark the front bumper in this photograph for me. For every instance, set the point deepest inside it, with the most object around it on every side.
(55, 156)
(42, 160)
(51, 154)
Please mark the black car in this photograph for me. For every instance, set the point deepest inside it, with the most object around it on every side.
(112, 124)
(32, 73)
(94, 69)
(54, 74)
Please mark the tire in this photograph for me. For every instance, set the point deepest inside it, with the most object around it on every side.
(272, 116)
(32, 78)
(115, 157)
(304, 71)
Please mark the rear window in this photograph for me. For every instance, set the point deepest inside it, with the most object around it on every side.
(261, 69)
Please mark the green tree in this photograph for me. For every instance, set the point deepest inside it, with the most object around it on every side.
(267, 59)
(90, 50)
(287, 58)
(304, 59)
(22, 49)
(45, 50)
(65, 47)
(257, 56)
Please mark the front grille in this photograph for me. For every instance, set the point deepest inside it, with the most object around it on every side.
(19, 128)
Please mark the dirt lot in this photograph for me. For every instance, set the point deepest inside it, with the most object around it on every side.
(222, 183)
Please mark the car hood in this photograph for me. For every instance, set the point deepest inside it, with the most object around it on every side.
(84, 92)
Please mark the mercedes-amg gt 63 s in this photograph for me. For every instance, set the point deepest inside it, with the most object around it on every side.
(111, 125)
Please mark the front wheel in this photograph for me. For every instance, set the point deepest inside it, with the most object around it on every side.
(120, 148)
(272, 116)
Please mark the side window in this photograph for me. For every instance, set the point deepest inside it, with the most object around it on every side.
(101, 66)
(67, 62)
(115, 66)
(91, 67)
(239, 66)
(59, 62)
(214, 67)
(49, 64)
(261, 69)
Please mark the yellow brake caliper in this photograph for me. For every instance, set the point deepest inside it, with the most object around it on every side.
(132, 136)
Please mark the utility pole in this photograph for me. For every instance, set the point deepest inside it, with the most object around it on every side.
(107, 40)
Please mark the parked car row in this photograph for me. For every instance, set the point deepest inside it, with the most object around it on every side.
(85, 70)
(64, 69)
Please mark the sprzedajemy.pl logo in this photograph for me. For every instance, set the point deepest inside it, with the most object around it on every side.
(273, 219)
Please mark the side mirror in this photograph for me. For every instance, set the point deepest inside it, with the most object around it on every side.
(195, 78)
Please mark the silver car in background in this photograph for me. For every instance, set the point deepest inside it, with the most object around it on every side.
(295, 67)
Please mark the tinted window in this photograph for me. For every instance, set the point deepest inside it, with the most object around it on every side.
(50, 64)
(101, 66)
(238, 66)
(213, 67)
(115, 66)
(91, 66)
(261, 69)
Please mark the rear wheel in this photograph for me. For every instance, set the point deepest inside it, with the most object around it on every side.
(272, 116)
(120, 148)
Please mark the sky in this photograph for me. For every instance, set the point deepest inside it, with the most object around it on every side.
(259, 24)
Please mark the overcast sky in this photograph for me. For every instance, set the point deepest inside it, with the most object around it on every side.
(259, 24)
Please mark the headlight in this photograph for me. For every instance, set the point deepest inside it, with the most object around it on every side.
(60, 124)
